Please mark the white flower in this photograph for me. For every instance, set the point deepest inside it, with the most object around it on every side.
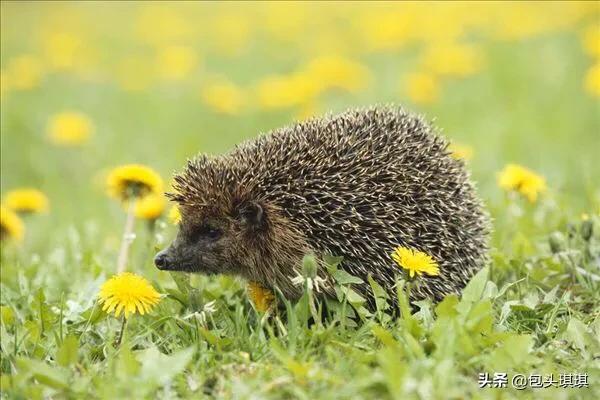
(315, 283)
(201, 316)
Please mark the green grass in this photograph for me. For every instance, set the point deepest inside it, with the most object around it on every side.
(535, 309)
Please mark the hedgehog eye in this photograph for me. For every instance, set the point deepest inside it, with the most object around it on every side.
(213, 233)
(208, 231)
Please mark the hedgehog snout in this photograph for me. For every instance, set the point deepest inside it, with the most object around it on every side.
(162, 260)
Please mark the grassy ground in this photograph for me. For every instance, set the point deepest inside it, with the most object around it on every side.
(160, 83)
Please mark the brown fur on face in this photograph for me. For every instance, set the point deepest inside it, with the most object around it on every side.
(224, 230)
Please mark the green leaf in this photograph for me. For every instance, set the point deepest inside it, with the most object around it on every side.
(403, 301)
(480, 318)
(179, 296)
(447, 307)
(474, 289)
(332, 263)
(44, 373)
(351, 296)
(162, 368)
(214, 339)
(7, 315)
(94, 314)
(67, 353)
(577, 334)
(187, 294)
(379, 294)
(344, 278)
(182, 280)
(384, 336)
(127, 365)
(510, 354)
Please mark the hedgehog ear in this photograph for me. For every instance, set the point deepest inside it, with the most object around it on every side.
(251, 214)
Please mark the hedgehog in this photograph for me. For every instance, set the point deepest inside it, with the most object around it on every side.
(356, 185)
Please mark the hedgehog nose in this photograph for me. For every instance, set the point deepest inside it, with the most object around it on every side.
(161, 260)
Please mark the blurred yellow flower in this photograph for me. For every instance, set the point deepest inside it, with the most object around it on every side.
(26, 200)
(522, 180)
(585, 217)
(415, 261)
(133, 180)
(387, 30)
(150, 207)
(25, 72)
(422, 88)
(62, 49)
(11, 226)
(592, 80)
(261, 297)
(129, 294)
(461, 151)
(4, 83)
(174, 215)
(337, 72)
(307, 111)
(69, 128)
(176, 62)
(223, 96)
(281, 91)
(591, 40)
(452, 59)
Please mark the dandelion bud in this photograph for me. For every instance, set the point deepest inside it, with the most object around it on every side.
(557, 242)
(587, 228)
(309, 266)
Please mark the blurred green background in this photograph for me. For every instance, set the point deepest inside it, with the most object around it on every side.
(159, 82)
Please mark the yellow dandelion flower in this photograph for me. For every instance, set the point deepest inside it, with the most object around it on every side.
(4, 83)
(286, 90)
(337, 72)
(69, 128)
(592, 80)
(128, 293)
(261, 297)
(452, 59)
(26, 200)
(62, 49)
(174, 215)
(133, 180)
(176, 62)
(415, 261)
(591, 40)
(461, 151)
(422, 88)
(150, 207)
(585, 217)
(388, 30)
(25, 72)
(223, 96)
(522, 180)
(11, 226)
